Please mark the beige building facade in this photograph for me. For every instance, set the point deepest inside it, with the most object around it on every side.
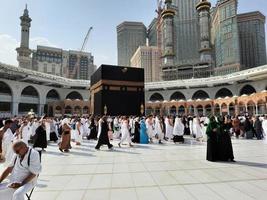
(148, 57)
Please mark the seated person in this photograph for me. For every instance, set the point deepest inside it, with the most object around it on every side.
(23, 169)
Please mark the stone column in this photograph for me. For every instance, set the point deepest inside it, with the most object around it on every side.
(195, 111)
(40, 109)
(256, 109)
(15, 102)
(186, 110)
(204, 111)
(15, 108)
(236, 109)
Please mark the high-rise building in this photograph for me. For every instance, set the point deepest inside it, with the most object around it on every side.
(24, 52)
(197, 41)
(152, 33)
(130, 35)
(47, 60)
(148, 58)
(187, 32)
(69, 64)
(80, 65)
(251, 27)
(225, 37)
(50, 60)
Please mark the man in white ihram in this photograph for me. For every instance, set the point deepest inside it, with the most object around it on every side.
(23, 169)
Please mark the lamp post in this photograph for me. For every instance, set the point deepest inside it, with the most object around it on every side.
(142, 109)
(105, 110)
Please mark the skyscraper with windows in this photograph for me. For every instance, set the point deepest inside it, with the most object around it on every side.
(130, 35)
(187, 32)
(152, 33)
(196, 41)
(225, 37)
(251, 27)
(148, 58)
(69, 64)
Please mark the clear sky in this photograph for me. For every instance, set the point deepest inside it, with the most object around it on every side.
(64, 23)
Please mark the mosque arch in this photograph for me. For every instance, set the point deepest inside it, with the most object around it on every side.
(177, 96)
(200, 94)
(5, 104)
(247, 90)
(156, 97)
(224, 92)
(53, 94)
(30, 91)
(5, 89)
(74, 95)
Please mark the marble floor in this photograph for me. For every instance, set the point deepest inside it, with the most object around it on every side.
(152, 172)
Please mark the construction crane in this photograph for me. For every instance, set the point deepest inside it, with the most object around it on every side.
(77, 65)
(86, 39)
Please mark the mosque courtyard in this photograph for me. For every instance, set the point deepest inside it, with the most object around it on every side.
(152, 172)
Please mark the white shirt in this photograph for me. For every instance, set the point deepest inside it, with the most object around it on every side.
(264, 126)
(26, 133)
(21, 169)
(8, 137)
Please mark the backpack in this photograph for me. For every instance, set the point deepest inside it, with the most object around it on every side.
(29, 158)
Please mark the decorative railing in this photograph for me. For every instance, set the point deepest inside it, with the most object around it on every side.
(229, 78)
(49, 78)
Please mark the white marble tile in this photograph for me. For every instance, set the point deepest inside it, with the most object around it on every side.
(79, 182)
(70, 195)
(152, 172)
(102, 194)
(183, 177)
(149, 193)
(228, 192)
(100, 181)
(163, 178)
(176, 192)
(143, 179)
(122, 180)
(122, 194)
(202, 192)
(250, 190)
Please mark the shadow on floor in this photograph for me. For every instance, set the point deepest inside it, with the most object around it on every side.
(248, 164)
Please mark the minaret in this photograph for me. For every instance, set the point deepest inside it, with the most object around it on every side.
(167, 16)
(24, 53)
(203, 8)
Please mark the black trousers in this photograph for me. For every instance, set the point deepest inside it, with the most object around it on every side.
(99, 144)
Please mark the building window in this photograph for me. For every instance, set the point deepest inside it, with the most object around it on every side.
(53, 69)
(45, 68)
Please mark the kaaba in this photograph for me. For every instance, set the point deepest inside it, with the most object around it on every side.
(117, 90)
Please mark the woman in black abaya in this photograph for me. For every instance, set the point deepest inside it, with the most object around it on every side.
(40, 136)
(212, 142)
(103, 137)
(93, 131)
(136, 138)
(224, 140)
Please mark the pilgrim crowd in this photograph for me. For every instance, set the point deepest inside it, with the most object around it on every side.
(23, 139)
(151, 129)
